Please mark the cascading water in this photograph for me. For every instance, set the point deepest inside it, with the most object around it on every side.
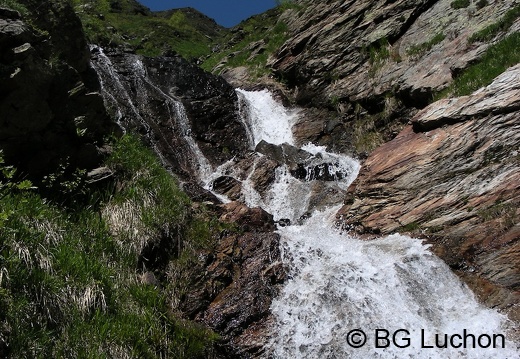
(391, 292)
(117, 96)
(337, 284)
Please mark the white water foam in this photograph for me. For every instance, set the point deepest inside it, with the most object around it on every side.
(338, 283)
(265, 119)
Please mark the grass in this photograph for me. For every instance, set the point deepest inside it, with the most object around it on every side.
(378, 53)
(498, 58)
(149, 34)
(418, 50)
(69, 282)
(15, 5)
(502, 25)
(273, 33)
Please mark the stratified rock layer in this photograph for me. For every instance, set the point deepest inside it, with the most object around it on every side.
(453, 177)
(362, 69)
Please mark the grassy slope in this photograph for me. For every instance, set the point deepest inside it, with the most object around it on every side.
(117, 22)
(69, 284)
(235, 48)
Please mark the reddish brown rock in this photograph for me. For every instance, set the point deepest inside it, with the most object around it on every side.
(255, 219)
(234, 291)
(455, 181)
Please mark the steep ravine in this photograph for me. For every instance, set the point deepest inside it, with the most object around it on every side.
(365, 76)
(364, 71)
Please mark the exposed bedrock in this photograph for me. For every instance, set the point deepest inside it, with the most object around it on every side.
(452, 177)
(169, 101)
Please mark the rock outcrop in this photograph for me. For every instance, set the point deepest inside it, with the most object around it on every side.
(373, 64)
(452, 178)
(51, 112)
(237, 282)
(171, 101)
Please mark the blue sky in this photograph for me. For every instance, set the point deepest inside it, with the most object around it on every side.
(225, 12)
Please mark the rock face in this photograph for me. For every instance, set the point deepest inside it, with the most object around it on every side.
(238, 280)
(172, 102)
(49, 102)
(452, 177)
(372, 64)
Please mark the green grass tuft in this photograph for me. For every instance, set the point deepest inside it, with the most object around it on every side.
(502, 25)
(69, 284)
(498, 58)
(418, 50)
(459, 4)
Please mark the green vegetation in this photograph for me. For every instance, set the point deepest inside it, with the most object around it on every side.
(120, 22)
(262, 36)
(378, 53)
(69, 282)
(410, 227)
(288, 4)
(418, 50)
(504, 212)
(459, 4)
(502, 25)
(15, 5)
(495, 61)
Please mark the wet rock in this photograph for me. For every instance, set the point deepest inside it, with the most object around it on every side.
(234, 293)
(284, 222)
(319, 172)
(169, 100)
(227, 186)
(250, 219)
(284, 153)
(452, 177)
(263, 175)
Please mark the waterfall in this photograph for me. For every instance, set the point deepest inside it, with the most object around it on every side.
(341, 290)
(345, 297)
(264, 119)
(135, 103)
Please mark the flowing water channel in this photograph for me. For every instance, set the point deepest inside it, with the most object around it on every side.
(350, 298)
(345, 297)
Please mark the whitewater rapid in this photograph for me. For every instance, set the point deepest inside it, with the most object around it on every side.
(350, 298)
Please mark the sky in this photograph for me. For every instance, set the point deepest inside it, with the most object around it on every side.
(227, 13)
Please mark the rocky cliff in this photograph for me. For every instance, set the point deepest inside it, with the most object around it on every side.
(51, 112)
(452, 178)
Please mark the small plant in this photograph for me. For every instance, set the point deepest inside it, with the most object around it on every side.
(15, 5)
(493, 62)
(481, 4)
(459, 4)
(377, 53)
(288, 4)
(418, 50)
